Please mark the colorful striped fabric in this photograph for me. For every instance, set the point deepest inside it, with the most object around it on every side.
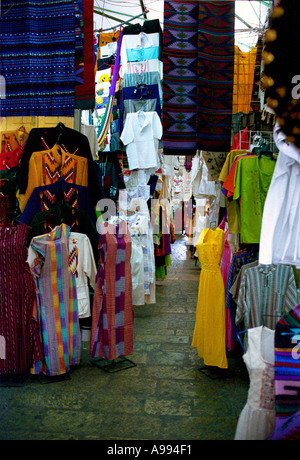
(107, 118)
(287, 377)
(20, 344)
(37, 57)
(57, 302)
(112, 317)
(198, 58)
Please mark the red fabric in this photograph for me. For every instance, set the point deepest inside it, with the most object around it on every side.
(85, 93)
(241, 140)
(11, 159)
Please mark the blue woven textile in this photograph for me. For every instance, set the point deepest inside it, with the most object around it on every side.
(37, 57)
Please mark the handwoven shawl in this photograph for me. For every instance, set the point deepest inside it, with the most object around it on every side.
(37, 57)
(198, 76)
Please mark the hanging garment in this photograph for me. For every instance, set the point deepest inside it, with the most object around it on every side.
(49, 166)
(266, 293)
(9, 141)
(46, 197)
(57, 306)
(19, 332)
(11, 159)
(280, 231)
(143, 98)
(112, 316)
(287, 377)
(225, 268)
(142, 257)
(141, 134)
(41, 76)
(198, 43)
(83, 266)
(85, 92)
(232, 207)
(77, 219)
(141, 47)
(244, 66)
(239, 259)
(9, 206)
(139, 68)
(209, 331)
(71, 141)
(252, 180)
(202, 187)
(257, 419)
(241, 140)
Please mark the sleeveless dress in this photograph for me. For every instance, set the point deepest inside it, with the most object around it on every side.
(257, 419)
(210, 326)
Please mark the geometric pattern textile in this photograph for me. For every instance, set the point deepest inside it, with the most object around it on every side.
(198, 60)
(37, 57)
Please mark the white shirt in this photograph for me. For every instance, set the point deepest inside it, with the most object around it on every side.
(140, 67)
(84, 268)
(141, 134)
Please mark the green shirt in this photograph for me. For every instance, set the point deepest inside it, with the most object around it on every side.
(251, 184)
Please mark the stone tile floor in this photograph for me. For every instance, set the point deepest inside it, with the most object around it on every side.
(164, 397)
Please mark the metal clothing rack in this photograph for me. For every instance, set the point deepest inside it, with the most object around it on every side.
(266, 135)
(112, 366)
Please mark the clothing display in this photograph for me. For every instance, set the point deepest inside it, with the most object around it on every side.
(287, 372)
(209, 332)
(280, 230)
(142, 131)
(244, 66)
(112, 317)
(57, 307)
(198, 76)
(48, 166)
(257, 419)
(266, 291)
(46, 80)
(252, 180)
(82, 263)
(18, 326)
(143, 161)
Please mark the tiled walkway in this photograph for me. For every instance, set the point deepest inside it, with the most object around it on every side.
(164, 397)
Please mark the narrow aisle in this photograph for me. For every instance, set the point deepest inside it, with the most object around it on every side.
(164, 397)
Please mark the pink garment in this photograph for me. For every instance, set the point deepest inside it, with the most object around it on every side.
(225, 267)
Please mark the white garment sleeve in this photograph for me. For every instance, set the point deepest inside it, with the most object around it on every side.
(127, 135)
(156, 126)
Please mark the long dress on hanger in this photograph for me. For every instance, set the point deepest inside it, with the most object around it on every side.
(209, 332)
(20, 344)
(257, 419)
(57, 301)
(112, 315)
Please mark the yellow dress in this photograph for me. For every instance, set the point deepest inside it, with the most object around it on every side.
(210, 326)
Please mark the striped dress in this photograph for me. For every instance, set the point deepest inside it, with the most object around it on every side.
(57, 301)
(112, 317)
(20, 344)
